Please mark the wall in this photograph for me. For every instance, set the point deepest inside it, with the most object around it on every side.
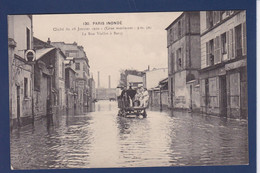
(153, 77)
(181, 97)
(133, 78)
(20, 70)
(226, 26)
(40, 98)
(17, 31)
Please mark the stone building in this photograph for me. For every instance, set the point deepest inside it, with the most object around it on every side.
(70, 83)
(49, 78)
(81, 67)
(20, 33)
(183, 43)
(223, 75)
(92, 89)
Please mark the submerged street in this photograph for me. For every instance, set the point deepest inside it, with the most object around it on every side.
(102, 139)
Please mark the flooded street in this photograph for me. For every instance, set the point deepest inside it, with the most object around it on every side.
(103, 139)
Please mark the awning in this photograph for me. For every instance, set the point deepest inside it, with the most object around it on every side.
(41, 52)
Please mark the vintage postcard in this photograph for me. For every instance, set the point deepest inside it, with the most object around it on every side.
(128, 90)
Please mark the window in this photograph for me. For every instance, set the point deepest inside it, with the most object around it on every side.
(216, 17)
(28, 38)
(25, 87)
(179, 59)
(224, 48)
(172, 62)
(238, 40)
(210, 53)
(209, 19)
(224, 43)
(179, 29)
(77, 66)
(170, 35)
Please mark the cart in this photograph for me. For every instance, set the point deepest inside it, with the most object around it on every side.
(125, 110)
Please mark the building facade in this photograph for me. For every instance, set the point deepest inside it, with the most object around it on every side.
(153, 77)
(49, 73)
(70, 83)
(223, 75)
(82, 69)
(20, 33)
(183, 43)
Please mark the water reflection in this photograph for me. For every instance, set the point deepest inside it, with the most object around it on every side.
(102, 139)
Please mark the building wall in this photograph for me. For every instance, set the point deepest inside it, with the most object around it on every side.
(226, 26)
(226, 76)
(17, 25)
(154, 76)
(40, 97)
(133, 79)
(184, 61)
(19, 69)
(181, 97)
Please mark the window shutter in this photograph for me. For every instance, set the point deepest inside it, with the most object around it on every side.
(228, 43)
(218, 16)
(244, 48)
(217, 50)
(207, 53)
(231, 43)
(177, 60)
(214, 18)
(202, 89)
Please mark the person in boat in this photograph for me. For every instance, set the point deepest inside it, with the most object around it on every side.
(130, 95)
(123, 97)
(144, 98)
(138, 96)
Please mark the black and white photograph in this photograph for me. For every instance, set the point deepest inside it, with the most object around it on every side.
(124, 90)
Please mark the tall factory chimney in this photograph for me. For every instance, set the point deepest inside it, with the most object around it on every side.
(109, 81)
(98, 80)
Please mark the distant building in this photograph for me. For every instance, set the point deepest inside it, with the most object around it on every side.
(134, 80)
(131, 77)
(105, 93)
(92, 90)
(70, 83)
(20, 33)
(154, 76)
(223, 75)
(183, 43)
(81, 67)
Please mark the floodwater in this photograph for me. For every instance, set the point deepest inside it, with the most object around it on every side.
(102, 139)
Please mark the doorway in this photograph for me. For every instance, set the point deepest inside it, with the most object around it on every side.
(18, 104)
(223, 96)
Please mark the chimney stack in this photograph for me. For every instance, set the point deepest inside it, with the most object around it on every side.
(49, 41)
(98, 80)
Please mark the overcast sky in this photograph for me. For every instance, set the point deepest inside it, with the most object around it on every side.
(108, 54)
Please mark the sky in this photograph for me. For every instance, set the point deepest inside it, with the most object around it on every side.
(141, 42)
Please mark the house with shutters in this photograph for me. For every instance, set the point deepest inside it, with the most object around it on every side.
(183, 43)
(223, 74)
